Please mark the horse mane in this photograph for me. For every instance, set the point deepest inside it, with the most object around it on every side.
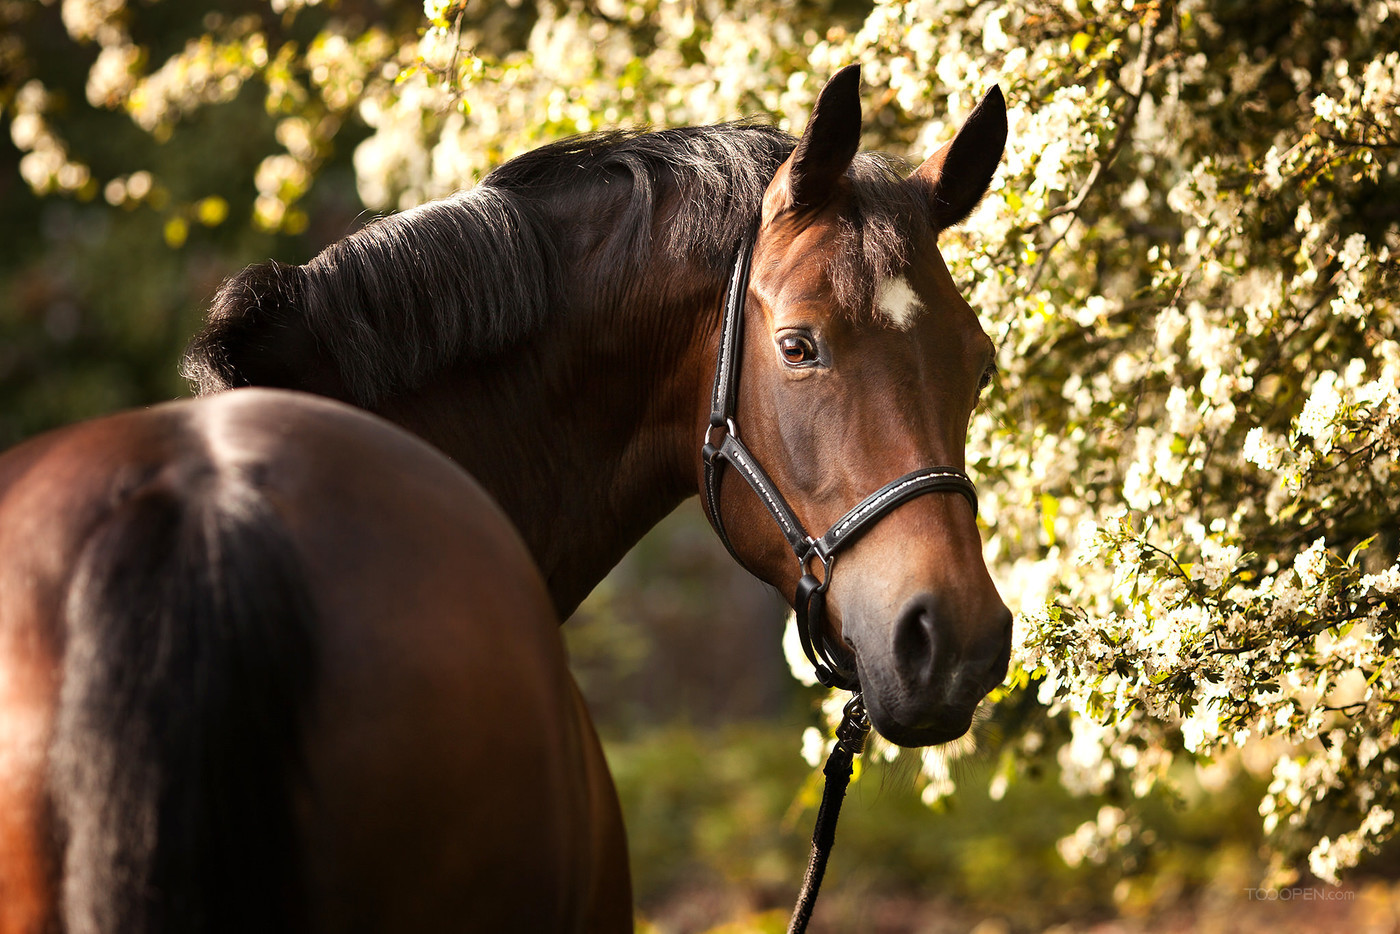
(466, 277)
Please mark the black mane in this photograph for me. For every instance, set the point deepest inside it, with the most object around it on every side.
(470, 275)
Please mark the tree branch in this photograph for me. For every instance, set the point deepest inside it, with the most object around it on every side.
(1357, 143)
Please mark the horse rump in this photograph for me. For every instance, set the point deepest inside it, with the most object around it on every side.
(187, 666)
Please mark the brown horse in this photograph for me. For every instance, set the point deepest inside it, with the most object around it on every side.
(268, 663)
(555, 331)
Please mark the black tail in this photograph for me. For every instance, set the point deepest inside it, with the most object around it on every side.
(188, 664)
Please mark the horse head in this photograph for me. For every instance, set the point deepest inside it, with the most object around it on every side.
(862, 363)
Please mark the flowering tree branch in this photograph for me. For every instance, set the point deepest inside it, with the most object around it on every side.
(1133, 100)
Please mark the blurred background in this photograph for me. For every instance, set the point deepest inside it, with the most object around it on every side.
(154, 148)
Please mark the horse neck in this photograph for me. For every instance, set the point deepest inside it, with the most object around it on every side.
(586, 434)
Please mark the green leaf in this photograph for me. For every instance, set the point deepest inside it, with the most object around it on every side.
(1360, 547)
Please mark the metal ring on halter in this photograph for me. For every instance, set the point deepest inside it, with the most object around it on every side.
(828, 562)
(709, 448)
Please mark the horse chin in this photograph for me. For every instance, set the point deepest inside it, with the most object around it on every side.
(893, 717)
(916, 736)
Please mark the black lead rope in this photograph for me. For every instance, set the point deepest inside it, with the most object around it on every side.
(850, 740)
(721, 446)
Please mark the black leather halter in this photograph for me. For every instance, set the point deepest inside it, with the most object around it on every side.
(721, 445)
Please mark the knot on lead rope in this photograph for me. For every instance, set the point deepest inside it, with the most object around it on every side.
(855, 726)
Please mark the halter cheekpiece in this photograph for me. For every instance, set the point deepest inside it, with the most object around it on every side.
(721, 445)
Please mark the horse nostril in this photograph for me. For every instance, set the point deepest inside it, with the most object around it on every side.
(917, 637)
(926, 646)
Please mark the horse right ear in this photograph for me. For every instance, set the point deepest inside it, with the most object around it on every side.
(957, 175)
(807, 180)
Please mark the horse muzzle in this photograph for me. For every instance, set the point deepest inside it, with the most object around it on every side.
(924, 676)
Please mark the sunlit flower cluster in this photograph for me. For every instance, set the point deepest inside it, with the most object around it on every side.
(466, 103)
(46, 165)
(313, 88)
(1097, 841)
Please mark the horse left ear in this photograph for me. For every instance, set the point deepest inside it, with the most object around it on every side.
(957, 175)
(807, 180)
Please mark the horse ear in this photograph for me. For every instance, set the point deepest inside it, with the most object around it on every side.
(957, 175)
(807, 180)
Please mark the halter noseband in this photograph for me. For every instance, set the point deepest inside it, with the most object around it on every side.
(721, 445)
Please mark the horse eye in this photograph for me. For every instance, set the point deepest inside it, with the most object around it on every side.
(797, 350)
(988, 375)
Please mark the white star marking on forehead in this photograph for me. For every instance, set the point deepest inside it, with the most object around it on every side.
(896, 302)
